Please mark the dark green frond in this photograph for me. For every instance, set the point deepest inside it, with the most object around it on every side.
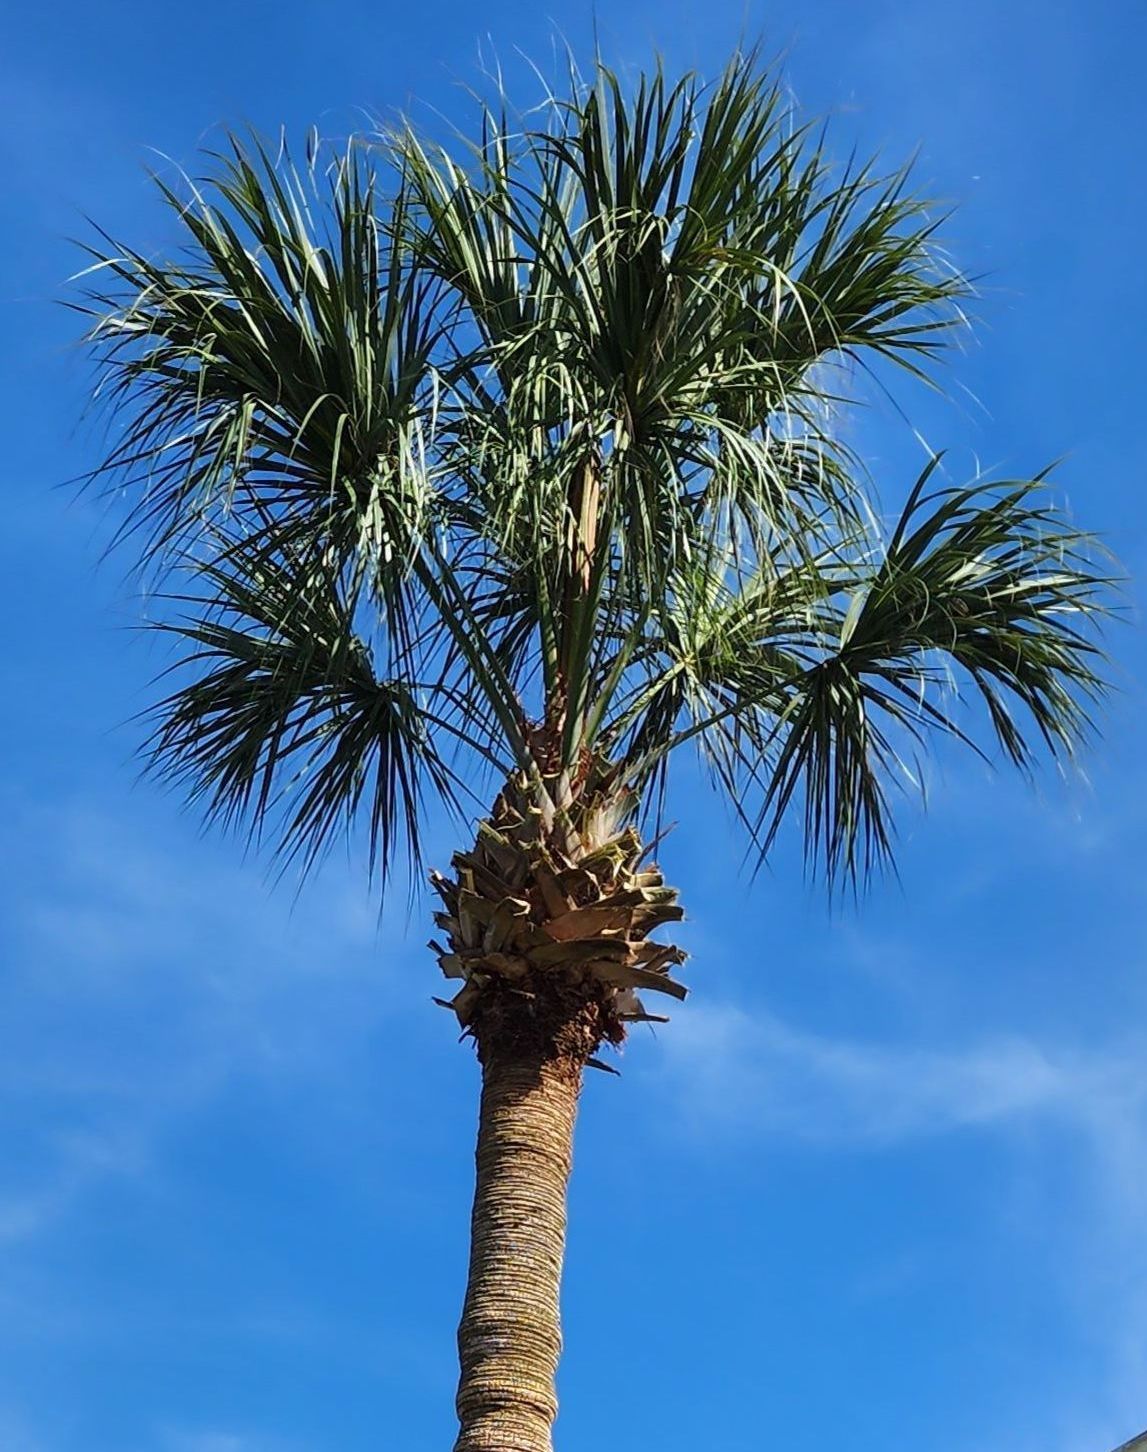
(994, 579)
(814, 685)
(282, 359)
(984, 585)
(285, 718)
(654, 277)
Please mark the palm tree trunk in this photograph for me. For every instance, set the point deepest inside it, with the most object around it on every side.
(509, 1339)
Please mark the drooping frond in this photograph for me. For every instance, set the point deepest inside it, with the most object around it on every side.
(284, 715)
(276, 399)
(809, 689)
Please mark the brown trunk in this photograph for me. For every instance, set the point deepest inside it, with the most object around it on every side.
(509, 1339)
(547, 927)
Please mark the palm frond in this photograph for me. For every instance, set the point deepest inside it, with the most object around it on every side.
(282, 361)
(284, 718)
(655, 276)
(983, 586)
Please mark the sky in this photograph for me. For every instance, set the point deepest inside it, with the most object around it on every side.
(882, 1182)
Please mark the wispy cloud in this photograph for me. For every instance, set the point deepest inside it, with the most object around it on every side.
(77, 1158)
(758, 1072)
(206, 1442)
(142, 984)
(215, 1439)
(760, 1075)
(16, 1434)
(184, 1440)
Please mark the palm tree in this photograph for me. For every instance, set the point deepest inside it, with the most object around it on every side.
(502, 471)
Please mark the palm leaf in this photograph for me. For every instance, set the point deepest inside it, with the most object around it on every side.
(283, 717)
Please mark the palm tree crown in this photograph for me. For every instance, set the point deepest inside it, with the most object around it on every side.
(532, 454)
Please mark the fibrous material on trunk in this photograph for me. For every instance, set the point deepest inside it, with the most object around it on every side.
(509, 1338)
(548, 919)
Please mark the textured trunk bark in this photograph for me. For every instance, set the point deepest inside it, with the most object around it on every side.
(509, 1339)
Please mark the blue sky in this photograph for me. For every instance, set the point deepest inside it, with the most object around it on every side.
(884, 1178)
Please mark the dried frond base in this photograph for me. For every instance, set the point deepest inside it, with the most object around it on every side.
(548, 929)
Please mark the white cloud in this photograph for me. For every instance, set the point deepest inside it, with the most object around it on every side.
(760, 1072)
(207, 1442)
(1086, 1105)
(16, 1435)
(214, 1440)
(145, 976)
(78, 1158)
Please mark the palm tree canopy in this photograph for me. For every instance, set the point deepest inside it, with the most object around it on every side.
(524, 454)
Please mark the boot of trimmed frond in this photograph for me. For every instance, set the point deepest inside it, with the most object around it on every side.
(548, 926)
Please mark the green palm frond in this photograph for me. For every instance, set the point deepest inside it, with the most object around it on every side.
(518, 454)
(282, 360)
(655, 276)
(815, 694)
(285, 717)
